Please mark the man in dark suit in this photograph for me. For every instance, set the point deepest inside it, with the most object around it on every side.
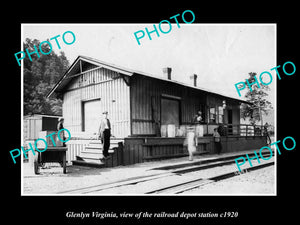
(60, 126)
(105, 133)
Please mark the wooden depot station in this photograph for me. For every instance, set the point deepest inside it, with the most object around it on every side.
(149, 114)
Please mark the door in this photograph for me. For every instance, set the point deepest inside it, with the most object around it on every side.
(170, 111)
(91, 113)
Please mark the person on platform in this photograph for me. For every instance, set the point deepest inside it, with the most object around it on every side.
(191, 142)
(105, 133)
(198, 120)
(60, 125)
(266, 133)
(217, 141)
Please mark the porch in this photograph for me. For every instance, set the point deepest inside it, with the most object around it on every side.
(139, 149)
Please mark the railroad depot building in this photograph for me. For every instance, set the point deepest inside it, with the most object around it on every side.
(149, 115)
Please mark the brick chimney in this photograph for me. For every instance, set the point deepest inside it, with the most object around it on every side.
(194, 79)
(167, 72)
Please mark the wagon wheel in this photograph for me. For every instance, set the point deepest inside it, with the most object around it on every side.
(36, 165)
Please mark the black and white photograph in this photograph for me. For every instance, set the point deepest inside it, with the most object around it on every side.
(162, 117)
(132, 115)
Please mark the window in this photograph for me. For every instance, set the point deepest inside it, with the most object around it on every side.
(220, 114)
(212, 115)
(49, 123)
(216, 114)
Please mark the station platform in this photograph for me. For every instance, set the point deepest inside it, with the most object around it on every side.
(52, 181)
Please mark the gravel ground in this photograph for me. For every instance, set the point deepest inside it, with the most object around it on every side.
(159, 183)
(254, 182)
(53, 181)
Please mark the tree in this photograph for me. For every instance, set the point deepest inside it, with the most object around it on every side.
(40, 75)
(258, 99)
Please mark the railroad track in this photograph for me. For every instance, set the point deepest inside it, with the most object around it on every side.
(177, 188)
(189, 185)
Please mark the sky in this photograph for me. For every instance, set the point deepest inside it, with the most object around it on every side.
(220, 54)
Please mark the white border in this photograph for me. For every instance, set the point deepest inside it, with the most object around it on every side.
(158, 195)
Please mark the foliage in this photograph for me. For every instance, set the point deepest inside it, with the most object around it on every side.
(258, 99)
(40, 75)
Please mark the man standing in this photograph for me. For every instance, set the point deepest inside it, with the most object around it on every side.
(266, 133)
(198, 120)
(217, 141)
(60, 126)
(191, 142)
(104, 133)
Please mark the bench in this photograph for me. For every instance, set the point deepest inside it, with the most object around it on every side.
(172, 156)
(152, 143)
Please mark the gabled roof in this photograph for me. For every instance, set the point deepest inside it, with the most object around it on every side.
(75, 70)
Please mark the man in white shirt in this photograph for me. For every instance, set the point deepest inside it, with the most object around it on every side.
(105, 133)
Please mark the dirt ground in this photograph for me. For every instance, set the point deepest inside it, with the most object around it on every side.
(255, 182)
(52, 181)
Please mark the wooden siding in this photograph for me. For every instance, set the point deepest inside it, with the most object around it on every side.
(74, 148)
(32, 125)
(103, 84)
(146, 94)
(138, 149)
(31, 128)
(242, 143)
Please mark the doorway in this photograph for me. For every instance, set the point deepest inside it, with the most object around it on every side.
(91, 115)
(170, 113)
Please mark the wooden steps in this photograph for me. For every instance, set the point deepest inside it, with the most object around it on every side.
(92, 155)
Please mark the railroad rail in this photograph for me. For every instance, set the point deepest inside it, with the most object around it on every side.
(177, 188)
(186, 186)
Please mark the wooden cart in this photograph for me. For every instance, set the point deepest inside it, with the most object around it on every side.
(52, 154)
